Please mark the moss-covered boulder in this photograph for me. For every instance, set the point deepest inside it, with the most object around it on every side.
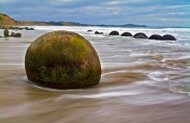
(6, 33)
(63, 60)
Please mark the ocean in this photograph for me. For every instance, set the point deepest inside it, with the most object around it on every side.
(143, 81)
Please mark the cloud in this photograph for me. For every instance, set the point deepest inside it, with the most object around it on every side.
(153, 12)
(178, 6)
(65, 0)
(60, 2)
(3, 1)
(119, 2)
(6, 1)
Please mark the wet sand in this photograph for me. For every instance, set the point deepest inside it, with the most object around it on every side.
(142, 82)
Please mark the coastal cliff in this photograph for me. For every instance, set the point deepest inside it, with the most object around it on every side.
(6, 20)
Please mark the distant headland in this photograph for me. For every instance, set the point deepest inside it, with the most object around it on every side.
(6, 20)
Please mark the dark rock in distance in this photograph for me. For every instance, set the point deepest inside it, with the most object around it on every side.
(99, 32)
(140, 36)
(114, 33)
(168, 37)
(6, 33)
(27, 28)
(19, 28)
(126, 34)
(155, 37)
(17, 35)
(63, 60)
(12, 28)
(89, 31)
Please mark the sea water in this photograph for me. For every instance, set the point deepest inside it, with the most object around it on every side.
(143, 81)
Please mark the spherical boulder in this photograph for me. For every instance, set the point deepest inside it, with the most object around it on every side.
(168, 37)
(6, 33)
(114, 33)
(155, 37)
(63, 60)
(17, 35)
(140, 36)
(126, 34)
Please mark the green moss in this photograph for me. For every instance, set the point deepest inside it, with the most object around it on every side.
(62, 60)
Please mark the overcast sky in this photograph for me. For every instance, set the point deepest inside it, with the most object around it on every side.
(148, 12)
